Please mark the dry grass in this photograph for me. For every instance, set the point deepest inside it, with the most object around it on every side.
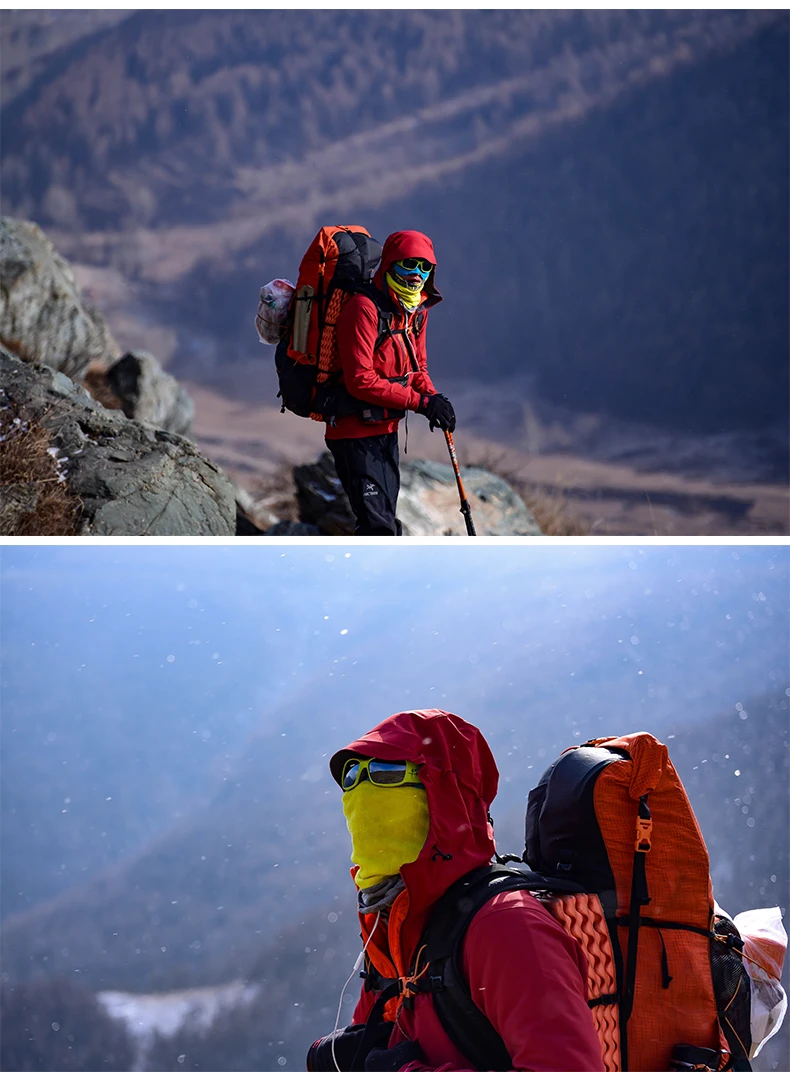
(550, 510)
(36, 500)
(549, 506)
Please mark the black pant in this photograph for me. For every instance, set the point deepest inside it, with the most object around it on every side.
(368, 470)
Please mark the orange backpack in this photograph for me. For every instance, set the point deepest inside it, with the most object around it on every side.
(339, 262)
(617, 857)
(674, 967)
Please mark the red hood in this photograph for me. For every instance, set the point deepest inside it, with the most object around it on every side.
(460, 778)
(408, 244)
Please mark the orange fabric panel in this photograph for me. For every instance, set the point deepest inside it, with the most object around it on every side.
(678, 882)
(327, 358)
(384, 950)
(582, 917)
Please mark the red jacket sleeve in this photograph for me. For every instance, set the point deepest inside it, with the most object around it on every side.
(528, 976)
(357, 329)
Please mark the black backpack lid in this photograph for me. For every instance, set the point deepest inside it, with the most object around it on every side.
(359, 257)
(562, 833)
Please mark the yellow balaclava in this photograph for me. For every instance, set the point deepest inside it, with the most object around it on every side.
(388, 827)
(410, 296)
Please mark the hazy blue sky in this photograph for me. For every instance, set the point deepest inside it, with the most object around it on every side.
(220, 641)
(254, 626)
(136, 680)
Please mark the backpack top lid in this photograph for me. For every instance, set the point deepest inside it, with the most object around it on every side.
(563, 839)
(581, 822)
(343, 255)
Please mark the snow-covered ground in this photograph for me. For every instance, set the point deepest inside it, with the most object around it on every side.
(144, 1014)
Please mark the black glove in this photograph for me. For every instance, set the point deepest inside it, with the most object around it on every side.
(439, 411)
(347, 1041)
(319, 1056)
(394, 1059)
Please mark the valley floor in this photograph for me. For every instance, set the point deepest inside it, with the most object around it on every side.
(251, 442)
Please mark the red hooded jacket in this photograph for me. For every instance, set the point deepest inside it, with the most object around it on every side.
(366, 372)
(525, 973)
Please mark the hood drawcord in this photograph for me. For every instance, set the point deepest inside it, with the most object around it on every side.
(409, 985)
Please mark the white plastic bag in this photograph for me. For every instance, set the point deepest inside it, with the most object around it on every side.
(271, 319)
(764, 947)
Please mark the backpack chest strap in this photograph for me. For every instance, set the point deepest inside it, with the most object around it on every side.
(411, 330)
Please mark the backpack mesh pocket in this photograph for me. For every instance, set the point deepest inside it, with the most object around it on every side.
(731, 987)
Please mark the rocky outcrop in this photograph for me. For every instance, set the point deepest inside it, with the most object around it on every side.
(42, 315)
(148, 393)
(132, 479)
(428, 504)
(293, 528)
(44, 319)
(321, 499)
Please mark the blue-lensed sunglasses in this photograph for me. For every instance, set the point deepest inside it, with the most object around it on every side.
(410, 265)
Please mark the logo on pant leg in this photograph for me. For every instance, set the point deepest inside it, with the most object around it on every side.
(370, 491)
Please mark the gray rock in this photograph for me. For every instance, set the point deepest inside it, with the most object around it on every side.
(253, 517)
(321, 498)
(42, 315)
(292, 528)
(428, 504)
(148, 393)
(132, 479)
(244, 525)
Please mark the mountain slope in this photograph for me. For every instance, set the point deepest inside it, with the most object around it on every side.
(617, 180)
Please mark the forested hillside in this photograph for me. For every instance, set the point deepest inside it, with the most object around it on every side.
(607, 190)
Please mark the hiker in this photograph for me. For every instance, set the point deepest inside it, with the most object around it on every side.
(390, 378)
(416, 796)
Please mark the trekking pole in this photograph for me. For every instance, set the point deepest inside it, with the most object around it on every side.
(466, 510)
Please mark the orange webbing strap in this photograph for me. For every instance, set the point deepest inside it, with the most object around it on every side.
(408, 984)
(582, 917)
(327, 354)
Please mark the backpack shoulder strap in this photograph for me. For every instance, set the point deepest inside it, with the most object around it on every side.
(469, 1030)
(384, 311)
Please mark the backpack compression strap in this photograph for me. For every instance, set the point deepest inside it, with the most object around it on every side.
(639, 898)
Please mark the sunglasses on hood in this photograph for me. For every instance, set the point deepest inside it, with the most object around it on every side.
(381, 772)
